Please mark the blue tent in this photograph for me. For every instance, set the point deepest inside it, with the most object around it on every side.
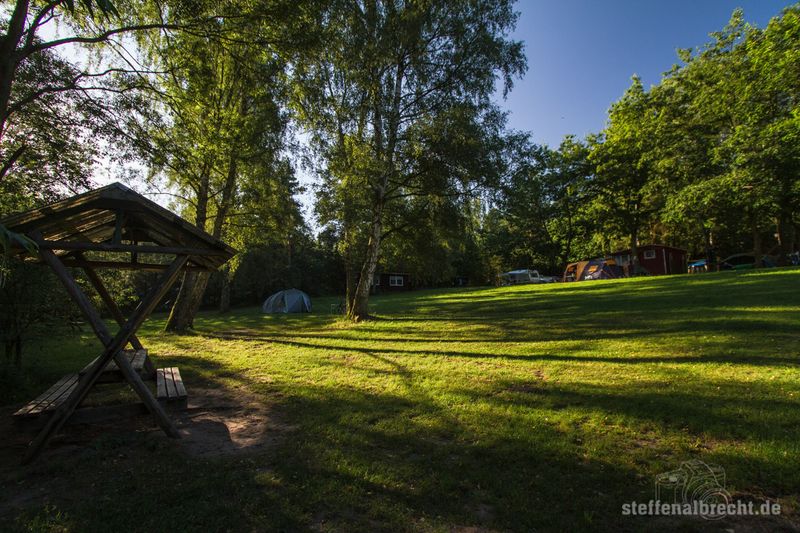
(288, 301)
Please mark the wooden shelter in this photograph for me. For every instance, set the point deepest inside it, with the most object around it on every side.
(127, 231)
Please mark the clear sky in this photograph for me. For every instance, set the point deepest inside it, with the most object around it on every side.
(582, 54)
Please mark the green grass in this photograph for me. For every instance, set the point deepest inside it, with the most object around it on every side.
(518, 408)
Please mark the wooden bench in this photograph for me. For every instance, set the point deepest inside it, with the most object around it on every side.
(138, 360)
(169, 387)
(50, 399)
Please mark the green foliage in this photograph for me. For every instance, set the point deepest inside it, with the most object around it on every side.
(724, 152)
(49, 141)
(8, 241)
(105, 7)
(397, 99)
(705, 160)
(625, 197)
(541, 216)
(31, 301)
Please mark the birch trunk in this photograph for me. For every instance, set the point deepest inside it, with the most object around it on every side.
(360, 308)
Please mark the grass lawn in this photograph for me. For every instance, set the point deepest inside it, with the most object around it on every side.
(517, 408)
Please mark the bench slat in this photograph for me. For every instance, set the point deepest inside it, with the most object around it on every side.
(138, 360)
(43, 397)
(49, 393)
(161, 386)
(180, 389)
(135, 358)
(169, 385)
(51, 398)
(60, 395)
(171, 392)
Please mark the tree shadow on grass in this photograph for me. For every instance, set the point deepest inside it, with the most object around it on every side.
(715, 409)
(386, 462)
(756, 360)
(362, 460)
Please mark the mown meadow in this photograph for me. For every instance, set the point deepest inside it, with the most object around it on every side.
(509, 409)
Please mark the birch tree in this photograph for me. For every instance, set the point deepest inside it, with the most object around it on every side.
(397, 101)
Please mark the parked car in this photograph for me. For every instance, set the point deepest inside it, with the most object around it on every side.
(517, 277)
(745, 262)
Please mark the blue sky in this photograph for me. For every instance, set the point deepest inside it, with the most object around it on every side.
(582, 54)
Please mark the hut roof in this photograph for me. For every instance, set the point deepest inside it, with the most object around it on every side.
(115, 218)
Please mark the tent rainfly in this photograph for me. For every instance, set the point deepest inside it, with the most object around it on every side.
(288, 301)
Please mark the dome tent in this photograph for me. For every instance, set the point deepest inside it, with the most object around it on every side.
(288, 301)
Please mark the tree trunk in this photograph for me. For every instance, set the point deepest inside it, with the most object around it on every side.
(567, 251)
(711, 259)
(351, 277)
(180, 318)
(225, 291)
(190, 298)
(757, 246)
(785, 235)
(634, 266)
(199, 289)
(8, 57)
(350, 289)
(360, 308)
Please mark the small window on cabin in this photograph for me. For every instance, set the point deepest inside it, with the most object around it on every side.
(376, 280)
(649, 254)
(395, 281)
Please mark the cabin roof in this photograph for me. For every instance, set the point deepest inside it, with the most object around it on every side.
(649, 246)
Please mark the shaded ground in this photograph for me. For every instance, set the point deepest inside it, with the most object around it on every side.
(513, 409)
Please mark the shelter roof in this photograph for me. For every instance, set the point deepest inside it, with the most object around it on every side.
(115, 218)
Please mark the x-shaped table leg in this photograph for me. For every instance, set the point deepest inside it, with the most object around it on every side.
(113, 345)
(112, 307)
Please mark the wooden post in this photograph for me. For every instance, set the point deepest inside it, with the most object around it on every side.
(118, 225)
(97, 283)
(112, 350)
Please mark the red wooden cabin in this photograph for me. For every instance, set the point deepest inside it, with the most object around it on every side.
(655, 259)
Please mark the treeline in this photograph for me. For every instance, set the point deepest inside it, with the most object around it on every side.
(392, 101)
(390, 106)
(707, 160)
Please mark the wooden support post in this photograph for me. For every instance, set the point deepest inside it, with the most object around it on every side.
(112, 350)
(118, 225)
(97, 283)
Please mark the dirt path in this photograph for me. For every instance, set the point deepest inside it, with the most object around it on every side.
(217, 422)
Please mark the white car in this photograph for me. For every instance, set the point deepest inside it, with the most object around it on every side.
(517, 277)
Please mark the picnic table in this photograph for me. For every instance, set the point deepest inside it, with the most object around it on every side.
(113, 227)
(170, 390)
